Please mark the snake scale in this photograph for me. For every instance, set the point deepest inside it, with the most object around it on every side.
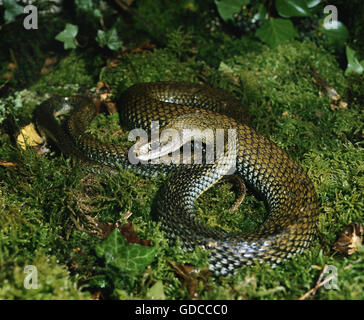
(282, 183)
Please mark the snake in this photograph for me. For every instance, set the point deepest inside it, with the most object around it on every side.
(286, 189)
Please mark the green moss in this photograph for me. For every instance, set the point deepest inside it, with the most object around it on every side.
(159, 65)
(53, 282)
(78, 69)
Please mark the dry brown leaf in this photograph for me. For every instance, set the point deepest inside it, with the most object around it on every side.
(48, 64)
(127, 230)
(8, 164)
(96, 295)
(350, 240)
(191, 277)
(103, 91)
(326, 89)
(8, 76)
(29, 137)
(11, 66)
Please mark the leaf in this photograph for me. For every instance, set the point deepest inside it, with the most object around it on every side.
(350, 240)
(227, 8)
(127, 230)
(275, 31)
(99, 281)
(336, 36)
(354, 66)
(68, 36)
(292, 8)
(191, 277)
(8, 164)
(29, 137)
(109, 38)
(12, 10)
(127, 258)
(262, 13)
(312, 3)
(85, 5)
(156, 292)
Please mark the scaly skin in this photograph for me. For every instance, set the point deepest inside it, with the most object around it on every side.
(286, 189)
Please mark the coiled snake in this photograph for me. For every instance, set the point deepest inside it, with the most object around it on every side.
(286, 189)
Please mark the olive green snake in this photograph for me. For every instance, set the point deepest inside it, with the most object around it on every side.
(286, 189)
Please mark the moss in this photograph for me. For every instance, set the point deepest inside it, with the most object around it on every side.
(52, 282)
(159, 65)
(78, 69)
(278, 83)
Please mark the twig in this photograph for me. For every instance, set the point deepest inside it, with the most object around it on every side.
(318, 284)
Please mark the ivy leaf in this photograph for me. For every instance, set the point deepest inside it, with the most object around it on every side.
(109, 38)
(292, 8)
(127, 258)
(85, 5)
(227, 8)
(312, 3)
(275, 31)
(354, 66)
(335, 31)
(68, 36)
(12, 10)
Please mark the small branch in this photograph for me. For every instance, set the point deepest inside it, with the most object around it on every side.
(319, 284)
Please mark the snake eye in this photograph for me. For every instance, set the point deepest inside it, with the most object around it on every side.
(153, 146)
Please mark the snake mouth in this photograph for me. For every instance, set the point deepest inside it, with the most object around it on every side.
(170, 142)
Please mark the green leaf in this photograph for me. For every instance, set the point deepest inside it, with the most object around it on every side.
(312, 3)
(275, 31)
(354, 66)
(156, 292)
(12, 10)
(128, 258)
(227, 8)
(261, 14)
(335, 36)
(86, 5)
(109, 38)
(97, 13)
(68, 36)
(292, 8)
(100, 281)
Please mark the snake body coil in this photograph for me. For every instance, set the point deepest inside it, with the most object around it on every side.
(283, 184)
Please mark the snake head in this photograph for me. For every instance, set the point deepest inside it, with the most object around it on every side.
(169, 142)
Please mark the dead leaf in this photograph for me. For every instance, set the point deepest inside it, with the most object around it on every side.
(350, 240)
(191, 277)
(11, 66)
(103, 91)
(29, 137)
(8, 164)
(96, 295)
(48, 64)
(8, 76)
(326, 89)
(285, 114)
(127, 230)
